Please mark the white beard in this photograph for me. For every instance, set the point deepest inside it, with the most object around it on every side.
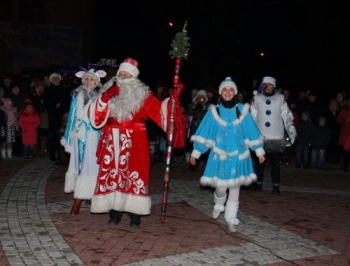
(130, 100)
(125, 80)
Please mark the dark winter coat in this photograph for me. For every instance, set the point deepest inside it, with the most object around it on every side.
(321, 138)
(305, 132)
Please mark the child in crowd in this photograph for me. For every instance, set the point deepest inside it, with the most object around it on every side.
(321, 138)
(2, 125)
(343, 118)
(305, 130)
(195, 114)
(10, 129)
(334, 151)
(346, 148)
(28, 122)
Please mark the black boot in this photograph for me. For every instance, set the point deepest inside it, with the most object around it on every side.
(135, 220)
(192, 168)
(305, 165)
(298, 165)
(276, 190)
(115, 217)
(257, 187)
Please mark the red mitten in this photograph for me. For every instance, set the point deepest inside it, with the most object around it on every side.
(114, 90)
(176, 94)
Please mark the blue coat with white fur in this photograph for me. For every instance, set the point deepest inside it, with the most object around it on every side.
(230, 139)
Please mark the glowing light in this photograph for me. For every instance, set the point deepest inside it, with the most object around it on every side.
(262, 54)
(171, 24)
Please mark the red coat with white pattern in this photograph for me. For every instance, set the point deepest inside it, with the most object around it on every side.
(124, 157)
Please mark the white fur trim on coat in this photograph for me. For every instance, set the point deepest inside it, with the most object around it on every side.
(69, 182)
(164, 113)
(85, 187)
(121, 202)
(231, 183)
(99, 105)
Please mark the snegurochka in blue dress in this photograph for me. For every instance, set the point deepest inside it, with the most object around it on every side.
(230, 133)
(81, 139)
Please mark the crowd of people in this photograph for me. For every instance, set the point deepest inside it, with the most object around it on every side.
(98, 129)
(37, 110)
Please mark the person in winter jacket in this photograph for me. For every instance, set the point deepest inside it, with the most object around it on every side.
(195, 114)
(11, 129)
(2, 126)
(28, 122)
(321, 138)
(305, 130)
(343, 119)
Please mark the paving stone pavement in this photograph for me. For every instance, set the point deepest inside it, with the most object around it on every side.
(285, 230)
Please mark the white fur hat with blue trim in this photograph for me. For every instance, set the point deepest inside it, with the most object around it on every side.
(228, 82)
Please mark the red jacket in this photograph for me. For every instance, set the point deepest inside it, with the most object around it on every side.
(29, 122)
(343, 118)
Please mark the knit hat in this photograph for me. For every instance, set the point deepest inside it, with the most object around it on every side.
(7, 102)
(28, 102)
(14, 85)
(201, 93)
(321, 118)
(210, 89)
(54, 75)
(228, 82)
(131, 66)
(305, 113)
(342, 93)
(334, 101)
(38, 83)
(269, 80)
(95, 75)
(313, 93)
(194, 92)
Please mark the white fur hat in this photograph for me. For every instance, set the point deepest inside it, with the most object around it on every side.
(131, 66)
(228, 82)
(269, 80)
(201, 93)
(96, 75)
(54, 75)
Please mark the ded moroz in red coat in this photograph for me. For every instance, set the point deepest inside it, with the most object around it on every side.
(123, 151)
(28, 122)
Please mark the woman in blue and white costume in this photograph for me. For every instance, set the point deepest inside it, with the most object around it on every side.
(80, 140)
(230, 132)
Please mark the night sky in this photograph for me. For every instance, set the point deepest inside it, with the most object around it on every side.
(306, 45)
